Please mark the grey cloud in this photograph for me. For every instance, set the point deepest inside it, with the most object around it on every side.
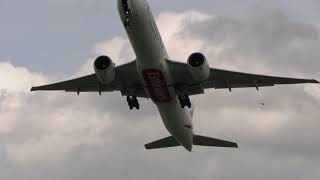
(265, 35)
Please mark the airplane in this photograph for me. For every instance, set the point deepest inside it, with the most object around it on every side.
(168, 83)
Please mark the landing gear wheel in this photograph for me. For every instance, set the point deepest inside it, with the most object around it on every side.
(184, 101)
(133, 102)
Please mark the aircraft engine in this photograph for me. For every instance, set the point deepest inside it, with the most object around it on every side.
(104, 69)
(198, 66)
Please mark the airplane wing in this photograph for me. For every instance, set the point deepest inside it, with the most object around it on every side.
(224, 79)
(126, 81)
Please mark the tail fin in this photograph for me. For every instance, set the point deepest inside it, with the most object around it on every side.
(207, 141)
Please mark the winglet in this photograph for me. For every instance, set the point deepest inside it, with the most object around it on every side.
(40, 88)
(315, 81)
(35, 89)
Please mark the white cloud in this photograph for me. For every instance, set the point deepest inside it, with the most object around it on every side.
(55, 129)
(15, 84)
(172, 24)
(261, 123)
(313, 91)
(62, 131)
(17, 79)
(118, 49)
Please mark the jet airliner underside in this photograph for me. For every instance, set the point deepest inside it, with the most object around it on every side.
(168, 83)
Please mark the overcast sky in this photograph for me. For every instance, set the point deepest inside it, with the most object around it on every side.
(63, 136)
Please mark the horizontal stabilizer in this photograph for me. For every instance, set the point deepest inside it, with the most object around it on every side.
(207, 141)
(197, 140)
(163, 143)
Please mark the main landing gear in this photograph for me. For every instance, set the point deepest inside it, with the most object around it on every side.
(184, 101)
(127, 12)
(133, 102)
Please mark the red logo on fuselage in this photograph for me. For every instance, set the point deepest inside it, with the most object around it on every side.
(156, 85)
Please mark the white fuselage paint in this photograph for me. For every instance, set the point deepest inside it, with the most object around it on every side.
(154, 72)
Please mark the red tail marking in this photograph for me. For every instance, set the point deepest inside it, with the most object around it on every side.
(188, 126)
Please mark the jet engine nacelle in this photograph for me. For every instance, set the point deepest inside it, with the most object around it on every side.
(104, 69)
(198, 66)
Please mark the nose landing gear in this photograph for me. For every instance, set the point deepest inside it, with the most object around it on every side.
(133, 102)
(127, 12)
(184, 101)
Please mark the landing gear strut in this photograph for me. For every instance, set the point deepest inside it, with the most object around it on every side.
(184, 101)
(127, 12)
(127, 22)
(133, 102)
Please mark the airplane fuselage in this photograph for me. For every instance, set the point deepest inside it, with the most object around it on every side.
(151, 58)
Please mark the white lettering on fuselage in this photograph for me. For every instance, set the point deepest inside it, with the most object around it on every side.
(156, 85)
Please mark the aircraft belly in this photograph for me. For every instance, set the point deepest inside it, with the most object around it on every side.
(178, 121)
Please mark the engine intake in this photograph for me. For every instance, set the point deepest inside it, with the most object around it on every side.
(104, 69)
(196, 60)
(102, 63)
(198, 66)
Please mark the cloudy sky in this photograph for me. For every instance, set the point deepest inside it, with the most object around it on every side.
(62, 136)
